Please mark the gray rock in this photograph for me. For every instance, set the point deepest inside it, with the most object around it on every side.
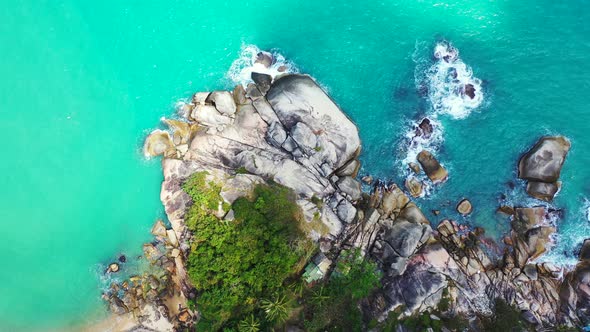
(223, 101)
(290, 145)
(252, 92)
(531, 271)
(304, 136)
(417, 288)
(544, 161)
(209, 116)
(346, 211)
(276, 134)
(406, 237)
(297, 98)
(350, 186)
(263, 81)
(350, 169)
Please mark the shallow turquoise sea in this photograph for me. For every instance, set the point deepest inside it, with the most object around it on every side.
(82, 82)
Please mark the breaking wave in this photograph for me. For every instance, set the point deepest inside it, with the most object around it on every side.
(449, 87)
(452, 88)
(249, 61)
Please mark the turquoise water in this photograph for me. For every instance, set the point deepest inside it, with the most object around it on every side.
(82, 83)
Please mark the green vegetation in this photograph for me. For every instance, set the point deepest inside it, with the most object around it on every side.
(247, 271)
(242, 170)
(333, 305)
(506, 318)
(235, 264)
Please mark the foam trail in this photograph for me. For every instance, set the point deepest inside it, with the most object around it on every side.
(452, 88)
(242, 68)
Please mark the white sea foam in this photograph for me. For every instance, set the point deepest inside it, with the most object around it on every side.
(242, 68)
(444, 83)
(447, 80)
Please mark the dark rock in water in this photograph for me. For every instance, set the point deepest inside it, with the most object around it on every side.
(263, 81)
(507, 210)
(436, 212)
(470, 90)
(544, 161)
(425, 128)
(510, 185)
(585, 251)
(282, 69)
(122, 259)
(265, 58)
(542, 190)
(433, 169)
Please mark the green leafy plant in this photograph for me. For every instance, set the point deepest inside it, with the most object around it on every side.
(277, 310)
(249, 324)
(234, 264)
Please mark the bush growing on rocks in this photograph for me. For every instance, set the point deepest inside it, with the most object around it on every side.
(234, 264)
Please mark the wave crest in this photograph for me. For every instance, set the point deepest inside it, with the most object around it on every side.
(452, 88)
(248, 62)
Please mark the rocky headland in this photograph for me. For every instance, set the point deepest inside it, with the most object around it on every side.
(288, 131)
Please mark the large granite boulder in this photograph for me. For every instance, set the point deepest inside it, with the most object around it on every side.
(544, 161)
(298, 99)
(433, 169)
(541, 166)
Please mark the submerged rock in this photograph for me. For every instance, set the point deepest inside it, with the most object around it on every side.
(470, 90)
(433, 169)
(159, 229)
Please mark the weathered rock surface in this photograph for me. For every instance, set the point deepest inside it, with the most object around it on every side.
(433, 169)
(541, 166)
(414, 186)
(464, 207)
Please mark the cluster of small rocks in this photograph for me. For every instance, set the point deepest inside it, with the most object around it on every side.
(157, 298)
